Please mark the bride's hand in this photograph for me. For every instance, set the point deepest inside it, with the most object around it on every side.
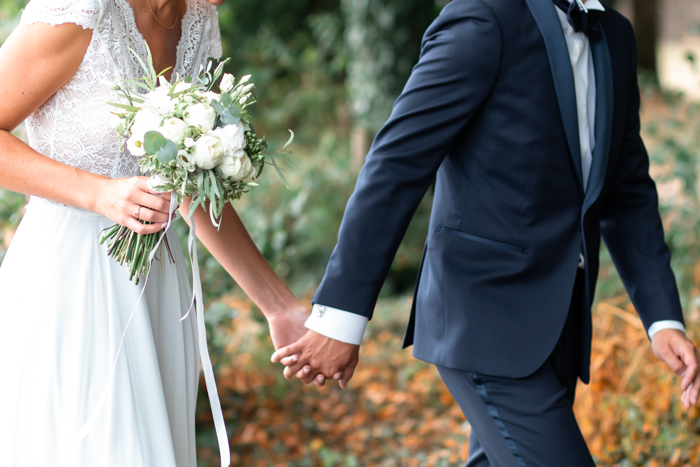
(287, 327)
(128, 200)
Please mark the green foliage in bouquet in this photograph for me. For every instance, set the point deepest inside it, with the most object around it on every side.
(193, 142)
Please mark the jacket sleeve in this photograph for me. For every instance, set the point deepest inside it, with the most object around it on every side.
(631, 225)
(456, 72)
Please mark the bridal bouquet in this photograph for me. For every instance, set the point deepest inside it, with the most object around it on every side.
(193, 141)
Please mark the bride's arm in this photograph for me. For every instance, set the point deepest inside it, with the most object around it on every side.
(35, 62)
(235, 250)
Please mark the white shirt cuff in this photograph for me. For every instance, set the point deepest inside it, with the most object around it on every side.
(337, 324)
(666, 324)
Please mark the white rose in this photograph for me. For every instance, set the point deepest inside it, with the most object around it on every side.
(226, 84)
(175, 130)
(147, 119)
(182, 86)
(208, 152)
(202, 116)
(233, 137)
(212, 96)
(188, 99)
(161, 100)
(237, 167)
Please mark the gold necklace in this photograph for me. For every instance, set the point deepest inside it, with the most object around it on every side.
(177, 15)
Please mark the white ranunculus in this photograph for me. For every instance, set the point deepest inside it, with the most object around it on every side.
(226, 84)
(233, 137)
(175, 130)
(208, 152)
(202, 116)
(237, 167)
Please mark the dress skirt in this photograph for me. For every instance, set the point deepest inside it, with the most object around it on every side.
(64, 305)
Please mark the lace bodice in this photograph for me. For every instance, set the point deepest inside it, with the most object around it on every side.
(75, 126)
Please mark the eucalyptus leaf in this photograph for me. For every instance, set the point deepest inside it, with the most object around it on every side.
(167, 154)
(226, 99)
(229, 119)
(153, 142)
(218, 107)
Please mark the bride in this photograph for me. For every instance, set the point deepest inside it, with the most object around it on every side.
(64, 303)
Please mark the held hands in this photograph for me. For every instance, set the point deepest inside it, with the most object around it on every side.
(128, 200)
(681, 355)
(315, 357)
(287, 327)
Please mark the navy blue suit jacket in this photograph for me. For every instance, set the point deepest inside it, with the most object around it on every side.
(490, 110)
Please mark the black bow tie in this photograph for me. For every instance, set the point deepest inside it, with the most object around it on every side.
(588, 23)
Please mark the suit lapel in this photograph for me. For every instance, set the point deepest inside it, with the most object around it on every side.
(602, 64)
(560, 62)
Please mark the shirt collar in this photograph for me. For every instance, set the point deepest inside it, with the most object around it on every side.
(592, 5)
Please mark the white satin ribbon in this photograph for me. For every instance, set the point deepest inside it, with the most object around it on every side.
(207, 369)
(214, 402)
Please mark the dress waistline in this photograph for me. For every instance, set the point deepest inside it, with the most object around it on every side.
(37, 201)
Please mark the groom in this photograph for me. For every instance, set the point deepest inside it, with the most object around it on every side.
(527, 114)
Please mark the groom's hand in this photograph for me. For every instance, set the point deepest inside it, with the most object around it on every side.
(681, 355)
(316, 356)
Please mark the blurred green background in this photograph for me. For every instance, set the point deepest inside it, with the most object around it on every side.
(330, 70)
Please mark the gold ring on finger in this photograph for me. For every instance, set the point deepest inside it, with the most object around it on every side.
(137, 213)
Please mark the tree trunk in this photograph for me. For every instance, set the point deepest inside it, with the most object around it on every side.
(646, 29)
(359, 145)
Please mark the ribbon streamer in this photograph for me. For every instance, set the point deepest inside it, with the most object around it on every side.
(207, 369)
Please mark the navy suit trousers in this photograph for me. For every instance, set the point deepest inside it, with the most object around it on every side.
(527, 422)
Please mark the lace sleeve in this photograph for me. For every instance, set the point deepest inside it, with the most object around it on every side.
(85, 13)
(215, 50)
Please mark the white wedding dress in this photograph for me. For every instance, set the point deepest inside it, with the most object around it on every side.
(64, 304)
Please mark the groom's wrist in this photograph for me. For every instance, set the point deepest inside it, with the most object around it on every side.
(665, 324)
(336, 324)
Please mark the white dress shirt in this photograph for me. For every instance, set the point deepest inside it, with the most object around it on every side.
(350, 327)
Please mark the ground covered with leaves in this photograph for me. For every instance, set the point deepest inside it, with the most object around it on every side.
(397, 411)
